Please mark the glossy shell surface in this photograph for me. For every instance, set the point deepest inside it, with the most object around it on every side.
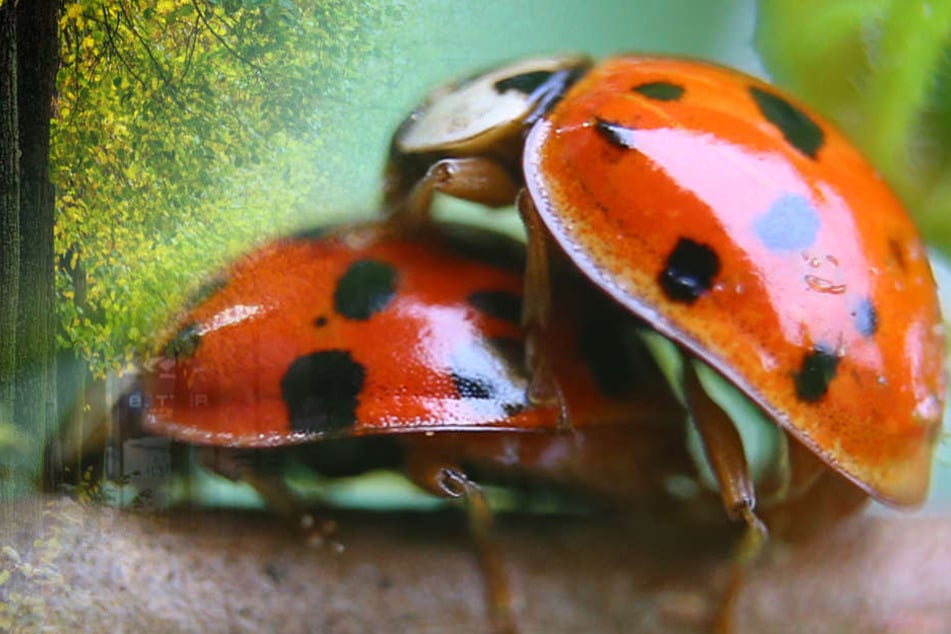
(358, 332)
(739, 223)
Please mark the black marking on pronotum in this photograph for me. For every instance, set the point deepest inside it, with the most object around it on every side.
(689, 271)
(525, 83)
(660, 90)
(866, 317)
(184, 343)
(797, 128)
(616, 134)
(504, 305)
(321, 391)
(819, 367)
(320, 321)
(473, 387)
(366, 288)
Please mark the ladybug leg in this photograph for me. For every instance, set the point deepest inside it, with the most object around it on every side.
(536, 310)
(454, 483)
(447, 480)
(476, 179)
(724, 450)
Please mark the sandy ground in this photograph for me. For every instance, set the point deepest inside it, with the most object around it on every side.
(66, 567)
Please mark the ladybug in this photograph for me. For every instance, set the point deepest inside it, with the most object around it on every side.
(356, 340)
(731, 219)
(354, 331)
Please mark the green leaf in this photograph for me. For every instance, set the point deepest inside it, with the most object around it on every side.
(881, 69)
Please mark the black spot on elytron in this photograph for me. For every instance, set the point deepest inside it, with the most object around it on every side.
(321, 321)
(819, 367)
(512, 352)
(798, 129)
(526, 83)
(473, 387)
(866, 318)
(689, 271)
(660, 90)
(616, 134)
(184, 343)
(479, 388)
(366, 288)
(511, 409)
(503, 305)
(322, 390)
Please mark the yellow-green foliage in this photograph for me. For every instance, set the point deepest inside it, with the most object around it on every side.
(882, 69)
(185, 130)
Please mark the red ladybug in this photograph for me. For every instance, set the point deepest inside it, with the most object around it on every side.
(730, 218)
(358, 332)
(358, 335)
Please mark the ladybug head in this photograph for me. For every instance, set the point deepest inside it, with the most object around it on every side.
(481, 111)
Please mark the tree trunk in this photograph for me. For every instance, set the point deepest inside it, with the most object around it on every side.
(37, 40)
(9, 216)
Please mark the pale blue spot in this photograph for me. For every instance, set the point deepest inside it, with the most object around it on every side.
(790, 224)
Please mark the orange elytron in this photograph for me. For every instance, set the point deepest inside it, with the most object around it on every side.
(728, 217)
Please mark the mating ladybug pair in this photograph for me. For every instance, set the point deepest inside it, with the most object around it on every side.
(658, 194)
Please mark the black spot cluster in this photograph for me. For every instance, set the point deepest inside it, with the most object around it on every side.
(473, 387)
(796, 126)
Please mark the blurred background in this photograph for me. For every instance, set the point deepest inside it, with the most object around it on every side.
(184, 132)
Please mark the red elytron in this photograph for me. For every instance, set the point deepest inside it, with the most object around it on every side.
(358, 332)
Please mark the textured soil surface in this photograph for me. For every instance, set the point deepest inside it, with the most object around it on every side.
(66, 567)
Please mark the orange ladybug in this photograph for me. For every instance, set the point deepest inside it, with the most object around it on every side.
(378, 350)
(731, 219)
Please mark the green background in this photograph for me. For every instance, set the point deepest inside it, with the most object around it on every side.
(330, 169)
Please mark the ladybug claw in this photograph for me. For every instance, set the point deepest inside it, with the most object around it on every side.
(454, 483)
